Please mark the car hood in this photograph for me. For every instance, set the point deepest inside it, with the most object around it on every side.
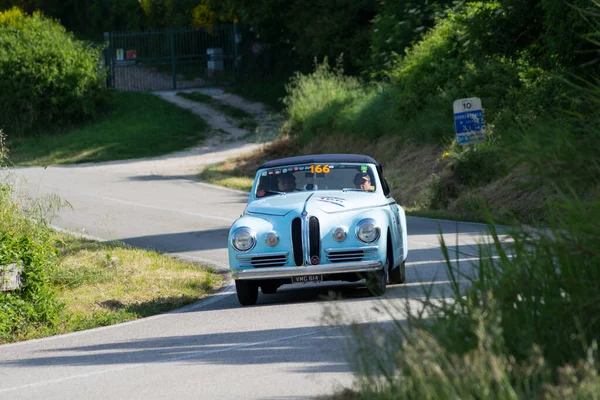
(325, 201)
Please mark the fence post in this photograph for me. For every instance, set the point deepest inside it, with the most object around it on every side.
(173, 59)
(108, 58)
(236, 40)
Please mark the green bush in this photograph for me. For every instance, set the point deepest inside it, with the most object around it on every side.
(317, 102)
(467, 168)
(47, 78)
(417, 100)
(448, 64)
(26, 244)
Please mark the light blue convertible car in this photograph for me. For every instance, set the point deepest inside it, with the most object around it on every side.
(327, 217)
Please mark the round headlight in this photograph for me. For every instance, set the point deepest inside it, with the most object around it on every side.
(243, 239)
(339, 234)
(272, 239)
(367, 231)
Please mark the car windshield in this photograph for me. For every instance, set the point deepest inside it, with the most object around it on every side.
(313, 177)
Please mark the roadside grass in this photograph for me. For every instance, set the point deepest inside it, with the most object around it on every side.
(226, 175)
(238, 172)
(246, 120)
(138, 125)
(408, 168)
(413, 172)
(70, 283)
(105, 283)
(521, 325)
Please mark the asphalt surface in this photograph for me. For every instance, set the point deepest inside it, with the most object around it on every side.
(288, 346)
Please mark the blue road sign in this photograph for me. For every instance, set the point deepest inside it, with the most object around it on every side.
(468, 121)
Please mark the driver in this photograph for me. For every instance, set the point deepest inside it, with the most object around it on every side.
(286, 183)
(362, 181)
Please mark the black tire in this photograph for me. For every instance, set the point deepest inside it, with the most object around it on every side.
(398, 275)
(247, 292)
(269, 288)
(377, 281)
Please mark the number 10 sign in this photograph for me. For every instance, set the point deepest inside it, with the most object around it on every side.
(468, 121)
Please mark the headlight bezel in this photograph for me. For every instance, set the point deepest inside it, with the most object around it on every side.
(234, 238)
(361, 225)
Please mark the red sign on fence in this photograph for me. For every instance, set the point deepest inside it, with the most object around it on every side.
(131, 54)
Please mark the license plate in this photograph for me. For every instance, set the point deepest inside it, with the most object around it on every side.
(307, 278)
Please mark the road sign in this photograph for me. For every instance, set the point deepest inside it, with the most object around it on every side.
(468, 121)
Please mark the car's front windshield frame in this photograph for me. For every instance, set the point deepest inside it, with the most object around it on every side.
(266, 182)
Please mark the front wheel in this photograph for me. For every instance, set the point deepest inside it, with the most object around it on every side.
(398, 275)
(247, 292)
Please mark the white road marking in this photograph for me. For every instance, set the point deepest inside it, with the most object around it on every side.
(452, 260)
(77, 234)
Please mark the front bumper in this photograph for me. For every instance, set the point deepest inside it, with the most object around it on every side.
(324, 269)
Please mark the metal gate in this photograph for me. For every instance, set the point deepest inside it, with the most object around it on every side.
(171, 59)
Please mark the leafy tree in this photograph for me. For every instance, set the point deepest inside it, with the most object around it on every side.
(305, 29)
(552, 32)
(398, 25)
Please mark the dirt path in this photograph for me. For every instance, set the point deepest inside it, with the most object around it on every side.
(225, 141)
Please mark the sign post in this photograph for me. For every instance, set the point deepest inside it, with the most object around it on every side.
(10, 277)
(468, 121)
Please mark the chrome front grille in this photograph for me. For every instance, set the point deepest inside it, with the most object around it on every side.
(264, 260)
(339, 255)
(268, 261)
(345, 256)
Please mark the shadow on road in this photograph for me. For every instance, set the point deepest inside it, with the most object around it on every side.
(251, 347)
(182, 241)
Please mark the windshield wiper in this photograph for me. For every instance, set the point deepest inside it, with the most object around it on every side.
(352, 190)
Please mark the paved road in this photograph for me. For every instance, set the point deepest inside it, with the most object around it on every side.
(279, 349)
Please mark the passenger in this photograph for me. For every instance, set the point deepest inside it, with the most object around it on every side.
(362, 181)
(286, 183)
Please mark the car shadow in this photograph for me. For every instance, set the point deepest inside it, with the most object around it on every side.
(210, 239)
